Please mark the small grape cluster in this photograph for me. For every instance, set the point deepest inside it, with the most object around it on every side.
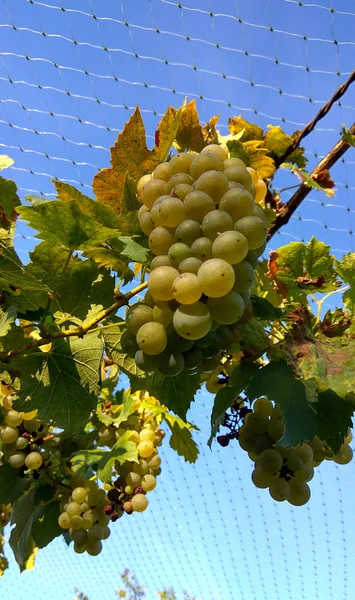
(206, 230)
(285, 471)
(22, 436)
(83, 515)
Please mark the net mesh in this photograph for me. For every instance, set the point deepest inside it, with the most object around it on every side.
(71, 74)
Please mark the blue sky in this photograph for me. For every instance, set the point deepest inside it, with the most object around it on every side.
(207, 529)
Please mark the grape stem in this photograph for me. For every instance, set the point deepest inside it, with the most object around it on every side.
(80, 330)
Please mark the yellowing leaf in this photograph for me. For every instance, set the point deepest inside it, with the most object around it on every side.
(259, 158)
(277, 142)
(5, 162)
(165, 135)
(108, 187)
(190, 133)
(250, 131)
(137, 269)
(30, 562)
(209, 131)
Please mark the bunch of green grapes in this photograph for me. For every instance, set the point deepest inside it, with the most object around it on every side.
(206, 230)
(285, 471)
(21, 436)
(83, 515)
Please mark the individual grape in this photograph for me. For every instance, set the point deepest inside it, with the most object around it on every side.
(142, 467)
(224, 338)
(139, 503)
(181, 190)
(88, 519)
(244, 276)
(246, 441)
(145, 362)
(188, 231)
(13, 418)
(146, 434)
(186, 288)
(73, 508)
(239, 174)
(106, 435)
(179, 252)
(160, 261)
(145, 448)
(193, 358)
(79, 536)
(213, 183)
(192, 321)
(270, 460)
(128, 343)
(163, 313)
(181, 163)
(79, 495)
(152, 190)
(253, 174)
(254, 230)
(160, 240)
(216, 222)
(32, 425)
(197, 205)
(178, 179)
(34, 460)
(94, 547)
(279, 490)
(171, 363)
(106, 532)
(206, 340)
(155, 462)
(127, 507)
(190, 265)
(160, 282)
(206, 161)
(149, 482)
(300, 493)
(262, 442)
(261, 479)
(228, 309)
(294, 462)
(259, 251)
(202, 248)
(143, 209)
(238, 203)
(252, 191)
(261, 190)
(151, 338)
(145, 223)
(141, 183)
(21, 443)
(138, 315)
(252, 258)
(17, 460)
(233, 161)
(259, 212)
(8, 434)
(263, 406)
(305, 473)
(133, 479)
(216, 149)
(216, 277)
(305, 452)
(275, 430)
(344, 455)
(79, 549)
(168, 213)
(257, 423)
(231, 246)
(64, 520)
(162, 172)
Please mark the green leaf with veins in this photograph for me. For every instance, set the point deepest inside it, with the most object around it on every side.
(181, 439)
(12, 487)
(46, 528)
(25, 513)
(111, 337)
(334, 417)
(250, 130)
(264, 310)
(7, 317)
(62, 383)
(9, 200)
(277, 142)
(100, 213)
(346, 270)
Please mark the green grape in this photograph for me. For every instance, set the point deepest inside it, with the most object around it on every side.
(21, 443)
(305, 473)
(252, 258)
(179, 252)
(246, 297)
(163, 313)
(17, 460)
(257, 423)
(181, 344)
(238, 203)
(259, 251)
(305, 452)
(261, 479)
(88, 519)
(32, 425)
(162, 172)
(107, 532)
(145, 448)
(181, 190)
(160, 282)
(133, 479)
(181, 163)
(224, 338)
(262, 442)
(128, 343)
(252, 191)
(263, 406)
(154, 463)
(259, 212)
(160, 261)
(143, 209)
(151, 338)
(106, 435)
(231, 162)
(216, 149)
(239, 174)
(137, 315)
(190, 265)
(344, 455)
(300, 493)
(213, 183)
(79, 549)
(142, 467)
(139, 503)
(33, 460)
(197, 205)
(160, 240)
(254, 230)
(188, 231)
(141, 183)
(279, 490)
(148, 298)
(216, 277)
(294, 462)
(231, 246)
(228, 309)
(148, 482)
(145, 362)
(73, 508)
(275, 430)
(168, 213)
(253, 174)
(94, 547)
(246, 441)
(145, 223)
(171, 363)
(13, 418)
(202, 248)
(177, 179)
(192, 321)
(79, 495)
(269, 460)
(79, 536)
(206, 161)
(152, 190)
(261, 189)
(206, 340)
(186, 288)
(8, 435)
(193, 358)
(64, 520)
(216, 222)
(244, 276)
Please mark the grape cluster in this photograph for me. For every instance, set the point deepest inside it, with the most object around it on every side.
(22, 436)
(285, 471)
(206, 230)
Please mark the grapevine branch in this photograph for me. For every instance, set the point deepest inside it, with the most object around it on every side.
(80, 330)
(286, 211)
(311, 125)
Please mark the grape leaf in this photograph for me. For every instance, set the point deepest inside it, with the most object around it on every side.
(318, 181)
(264, 310)
(250, 130)
(278, 383)
(46, 528)
(236, 150)
(112, 336)
(61, 383)
(108, 187)
(24, 514)
(209, 131)
(334, 417)
(176, 393)
(129, 223)
(101, 213)
(166, 132)
(346, 270)
(9, 200)
(259, 158)
(11, 485)
(7, 317)
(190, 133)
(181, 439)
(277, 142)
(238, 382)
(252, 337)
(5, 162)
